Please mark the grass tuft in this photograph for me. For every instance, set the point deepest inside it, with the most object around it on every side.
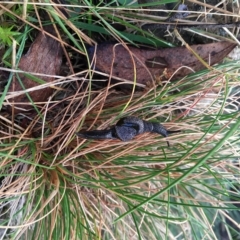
(57, 186)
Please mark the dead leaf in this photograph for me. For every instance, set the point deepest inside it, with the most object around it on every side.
(3, 74)
(45, 57)
(117, 60)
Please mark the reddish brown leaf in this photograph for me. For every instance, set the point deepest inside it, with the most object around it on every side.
(156, 64)
(44, 56)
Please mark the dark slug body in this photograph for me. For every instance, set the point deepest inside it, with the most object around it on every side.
(126, 129)
(98, 134)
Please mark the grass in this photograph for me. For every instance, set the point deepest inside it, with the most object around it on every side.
(57, 186)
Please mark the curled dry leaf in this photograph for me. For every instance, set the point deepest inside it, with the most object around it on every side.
(117, 60)
(45, 57)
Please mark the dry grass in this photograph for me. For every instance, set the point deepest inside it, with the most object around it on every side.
(57, 186)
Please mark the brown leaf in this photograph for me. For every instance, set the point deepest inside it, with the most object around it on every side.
(3, 74)
(116, 59)
(45, 57)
